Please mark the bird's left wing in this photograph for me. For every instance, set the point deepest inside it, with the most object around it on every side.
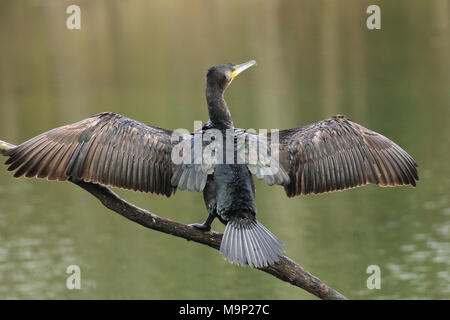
(106, 148)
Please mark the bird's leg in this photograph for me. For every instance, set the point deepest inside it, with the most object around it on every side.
(205, 226)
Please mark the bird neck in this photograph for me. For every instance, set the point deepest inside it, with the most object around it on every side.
(219, 114)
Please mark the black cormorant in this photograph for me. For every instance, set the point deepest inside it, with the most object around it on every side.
(110, 149)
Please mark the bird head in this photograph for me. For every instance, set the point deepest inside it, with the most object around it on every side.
(219, 77)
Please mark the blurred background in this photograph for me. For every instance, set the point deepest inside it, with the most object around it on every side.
(147, 60)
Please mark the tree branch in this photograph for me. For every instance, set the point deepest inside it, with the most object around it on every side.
(285, 269)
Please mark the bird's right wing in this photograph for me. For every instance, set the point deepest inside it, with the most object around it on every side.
(338, 154)
(107, 148)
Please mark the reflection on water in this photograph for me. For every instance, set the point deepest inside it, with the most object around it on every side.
(41, 253)
(147, 60)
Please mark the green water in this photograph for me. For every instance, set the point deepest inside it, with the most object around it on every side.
(147, 60)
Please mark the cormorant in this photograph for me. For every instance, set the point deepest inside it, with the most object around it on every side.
(110, 149)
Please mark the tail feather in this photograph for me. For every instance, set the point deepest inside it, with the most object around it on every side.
(249, 242)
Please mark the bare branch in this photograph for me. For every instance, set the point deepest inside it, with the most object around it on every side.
(4, 146)
(285, 269)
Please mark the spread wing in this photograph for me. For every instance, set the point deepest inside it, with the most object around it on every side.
(261, 159)
(107, 148)
(337, 154)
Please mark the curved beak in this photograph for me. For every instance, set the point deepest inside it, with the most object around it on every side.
(241, 67)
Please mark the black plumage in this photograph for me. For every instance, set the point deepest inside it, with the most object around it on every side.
(110, 149)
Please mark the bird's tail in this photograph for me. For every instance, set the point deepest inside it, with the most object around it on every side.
(246, 241)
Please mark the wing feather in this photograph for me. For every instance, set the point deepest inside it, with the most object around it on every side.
(107, 148)
(337, 154)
